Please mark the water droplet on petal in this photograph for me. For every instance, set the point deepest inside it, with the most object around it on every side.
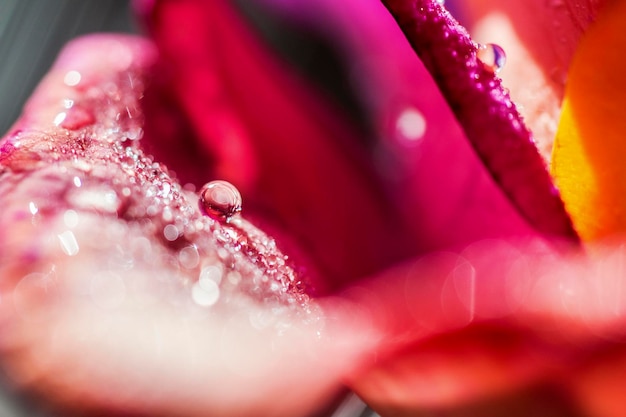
(492, 56)
(72, 78)
(441, 2)
(220, 200)
(71, 218)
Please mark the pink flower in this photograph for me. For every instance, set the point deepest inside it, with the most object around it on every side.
(128, 299)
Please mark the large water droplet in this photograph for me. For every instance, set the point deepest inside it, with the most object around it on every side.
(492, 56)
(220, 200)
(72, 78)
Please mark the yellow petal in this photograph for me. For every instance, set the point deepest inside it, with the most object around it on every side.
(589, 156)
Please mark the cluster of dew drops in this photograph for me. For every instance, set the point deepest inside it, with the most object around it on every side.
(109, 174)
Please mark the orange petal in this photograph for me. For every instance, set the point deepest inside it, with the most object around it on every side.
(588, 157)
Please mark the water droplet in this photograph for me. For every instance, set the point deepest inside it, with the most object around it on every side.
(72, 78)
(492, 56)
(220, 200)
(70, 218)
(441, 2)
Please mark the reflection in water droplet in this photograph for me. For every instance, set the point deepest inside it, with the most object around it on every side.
(77, 182)
(220, 200)
(411, 125)
(492, 56)
(441, 2)
(69, 244)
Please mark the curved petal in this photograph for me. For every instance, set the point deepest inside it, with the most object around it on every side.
(486, 113)
(298, 163)
(430, 170)
(587, 163)
(253, 123)
(119, 297)
(540, 38)
(498, 327)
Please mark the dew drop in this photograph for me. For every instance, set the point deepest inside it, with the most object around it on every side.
(70, 218)
(492, 56)
(72, 78)
(220, 200)
(441, 2)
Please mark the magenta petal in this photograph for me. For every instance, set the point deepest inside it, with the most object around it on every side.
(222, 107)
(488, 116)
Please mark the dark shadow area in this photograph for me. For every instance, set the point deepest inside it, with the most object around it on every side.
(32, 33)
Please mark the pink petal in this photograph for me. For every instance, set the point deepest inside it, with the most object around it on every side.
(540, 38)
(301, 166)
(497, 327)
(99, 313)
(484, 109)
